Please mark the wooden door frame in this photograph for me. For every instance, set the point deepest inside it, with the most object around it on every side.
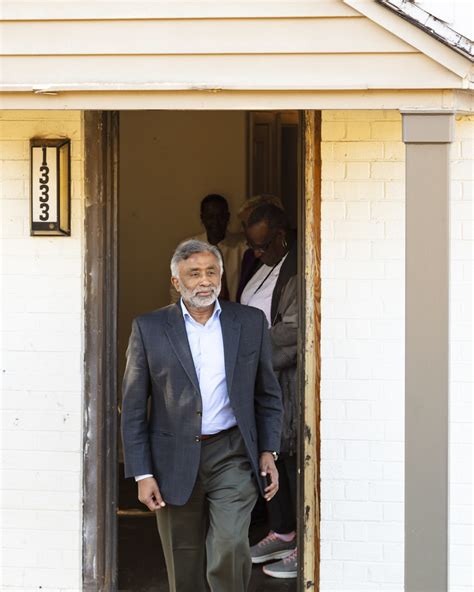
(100, 491)
(100, 462)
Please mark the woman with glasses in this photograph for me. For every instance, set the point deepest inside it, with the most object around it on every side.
(273, 289)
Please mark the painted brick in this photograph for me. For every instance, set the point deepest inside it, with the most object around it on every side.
(385, 532)
(386, 130)
(358, 511)
(387, 171)
(395, 190)
(358, 410)
(331, 571)
(42, 358)
(358, 229)
(332, 450)
(365, 151)
(394, 151)
(333, 130)
(14, 150)
(355, 115)
(359, 491)
(357, 249)
(361, 289)
(358, 210)
(357, 551)
(357, 130)
(357, 328)
(462, 170)
(333, 170)
(333, 210)
(352, 190)
(353, 430)
(356, 450)
(357, 170)
(331, 487)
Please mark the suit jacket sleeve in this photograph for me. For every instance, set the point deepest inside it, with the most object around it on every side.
(268, 404)
(136, 387)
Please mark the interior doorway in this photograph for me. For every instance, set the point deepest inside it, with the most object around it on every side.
(168, 161)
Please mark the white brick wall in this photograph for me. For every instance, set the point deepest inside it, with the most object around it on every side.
(41, 329)
(461, 458)
(362, 351)
(362, 390)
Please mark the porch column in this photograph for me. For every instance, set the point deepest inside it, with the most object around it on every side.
(427, 137)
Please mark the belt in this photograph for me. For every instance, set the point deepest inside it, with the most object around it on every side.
(208, 436)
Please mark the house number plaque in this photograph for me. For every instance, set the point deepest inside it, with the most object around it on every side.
(50, 187)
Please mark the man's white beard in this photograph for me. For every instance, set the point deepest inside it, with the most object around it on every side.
(196, 301)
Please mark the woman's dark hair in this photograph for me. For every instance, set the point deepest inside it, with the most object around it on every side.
(275, 217)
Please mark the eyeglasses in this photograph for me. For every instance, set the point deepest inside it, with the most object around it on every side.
(261, 248)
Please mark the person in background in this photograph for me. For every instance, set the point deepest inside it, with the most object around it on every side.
(250, 263)
(273, 289)
(215, 216)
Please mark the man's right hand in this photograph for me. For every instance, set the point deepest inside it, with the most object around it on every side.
(149, 494)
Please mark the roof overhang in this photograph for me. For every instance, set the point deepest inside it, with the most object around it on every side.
(421, 39)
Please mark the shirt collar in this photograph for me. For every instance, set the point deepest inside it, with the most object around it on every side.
(186, 315)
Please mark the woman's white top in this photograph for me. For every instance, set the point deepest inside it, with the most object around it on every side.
(259, 289)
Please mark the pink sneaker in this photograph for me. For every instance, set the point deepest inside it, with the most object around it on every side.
(271, 547)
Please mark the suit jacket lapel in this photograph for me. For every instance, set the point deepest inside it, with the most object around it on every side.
(230, 336)
(178, 337)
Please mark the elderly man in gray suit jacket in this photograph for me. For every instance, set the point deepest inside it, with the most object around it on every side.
(212, 434)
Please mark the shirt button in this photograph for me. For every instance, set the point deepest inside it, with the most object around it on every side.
(199, 413)
(197, 438)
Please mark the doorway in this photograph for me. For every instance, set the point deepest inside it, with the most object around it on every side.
(168, 161)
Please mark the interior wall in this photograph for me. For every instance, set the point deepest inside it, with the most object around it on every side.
(169, 160)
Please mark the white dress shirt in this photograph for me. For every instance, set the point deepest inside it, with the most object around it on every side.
(207, 350)
(259, 290)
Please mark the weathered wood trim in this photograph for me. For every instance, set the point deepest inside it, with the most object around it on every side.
(310, 537)
(100, 404)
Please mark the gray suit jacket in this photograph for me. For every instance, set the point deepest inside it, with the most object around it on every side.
(160, 366)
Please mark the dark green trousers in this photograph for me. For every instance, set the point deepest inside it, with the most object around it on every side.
(206, 540)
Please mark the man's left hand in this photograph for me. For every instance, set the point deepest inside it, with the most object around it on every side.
(268, 468)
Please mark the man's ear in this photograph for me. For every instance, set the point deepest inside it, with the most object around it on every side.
(175, 284)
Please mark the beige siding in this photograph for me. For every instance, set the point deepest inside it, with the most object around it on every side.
(306, 71)
(198, 36)
(101, 9)
(229, 45)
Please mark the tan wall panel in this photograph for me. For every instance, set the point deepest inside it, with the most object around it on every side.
(286, 72)
(47, 10)
(194, 36)
(168, 162)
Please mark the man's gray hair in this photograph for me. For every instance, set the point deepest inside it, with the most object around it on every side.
(190, 247)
